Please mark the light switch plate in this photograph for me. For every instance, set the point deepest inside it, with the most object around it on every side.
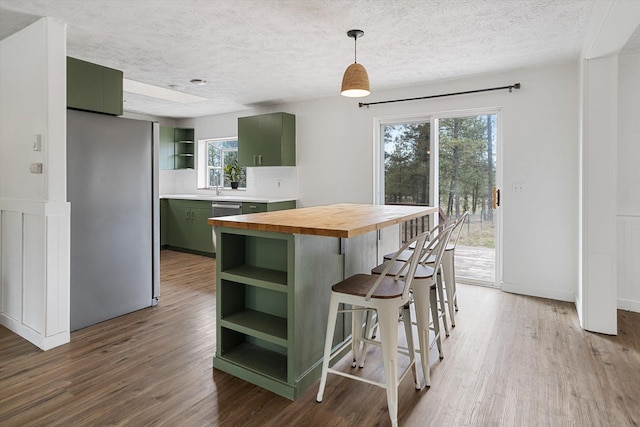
(37, 142)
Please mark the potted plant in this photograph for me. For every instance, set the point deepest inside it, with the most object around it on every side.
(232, 172)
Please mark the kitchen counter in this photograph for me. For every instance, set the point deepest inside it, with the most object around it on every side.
(228, 198)
(274, 274)
(339, 220)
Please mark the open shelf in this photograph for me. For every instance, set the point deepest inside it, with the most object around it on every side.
(257, 276)
(257, 357)
(258, 324)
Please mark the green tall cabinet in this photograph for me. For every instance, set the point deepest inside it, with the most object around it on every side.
(267, 140)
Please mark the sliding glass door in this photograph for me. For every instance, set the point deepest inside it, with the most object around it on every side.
(407, 166)
(467, 153)
(448, 161)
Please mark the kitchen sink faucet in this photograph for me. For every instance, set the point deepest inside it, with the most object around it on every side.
(216, 180)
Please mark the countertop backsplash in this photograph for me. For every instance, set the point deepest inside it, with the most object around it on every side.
(277, 182)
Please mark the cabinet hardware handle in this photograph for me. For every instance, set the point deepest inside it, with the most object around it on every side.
(188, 212)
(260, 159)
(254, 160)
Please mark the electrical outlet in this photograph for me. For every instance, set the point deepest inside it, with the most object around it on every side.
(35, 168)
(517, 187)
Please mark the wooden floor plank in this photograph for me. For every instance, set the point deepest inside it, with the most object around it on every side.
(510, 360)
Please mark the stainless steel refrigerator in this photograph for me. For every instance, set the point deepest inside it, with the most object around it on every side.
(112, 185)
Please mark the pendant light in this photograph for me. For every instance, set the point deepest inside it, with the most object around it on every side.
(355, 82)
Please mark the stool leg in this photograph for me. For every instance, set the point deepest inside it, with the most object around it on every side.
(421, 298)
(436, 320)
(356, 336)
(453, 278)
(443, 306)
(331, 325)
(388, 326)
(406, 319)
(449, 283)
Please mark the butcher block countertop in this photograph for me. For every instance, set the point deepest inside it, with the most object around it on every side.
(339, 220)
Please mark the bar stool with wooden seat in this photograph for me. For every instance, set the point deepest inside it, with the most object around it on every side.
(386, 294)
(404, 256)
(423, 290)
(449, 265)
(448, 270)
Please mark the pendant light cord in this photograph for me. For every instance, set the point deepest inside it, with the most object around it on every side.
(355, 50)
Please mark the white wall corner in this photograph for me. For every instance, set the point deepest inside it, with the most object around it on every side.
(611, 24)
(599, 142)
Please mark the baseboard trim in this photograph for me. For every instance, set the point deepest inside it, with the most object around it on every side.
(628, 305)
(535, 291)
(35, 338)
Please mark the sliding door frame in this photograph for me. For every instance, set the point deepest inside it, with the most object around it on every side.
(434, 196)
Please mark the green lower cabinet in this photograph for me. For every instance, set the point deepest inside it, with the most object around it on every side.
(248, 207)
(187, 226)
(163, 222)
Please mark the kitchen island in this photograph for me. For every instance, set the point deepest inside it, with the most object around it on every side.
(274, 274)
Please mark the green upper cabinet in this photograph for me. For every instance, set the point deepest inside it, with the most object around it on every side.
(177, 148)
(267, 140)
(166, 148)
(91, 87)
(184, 148)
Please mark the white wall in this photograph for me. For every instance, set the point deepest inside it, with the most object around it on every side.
(539, 148)
(34, 214)
(628, 177)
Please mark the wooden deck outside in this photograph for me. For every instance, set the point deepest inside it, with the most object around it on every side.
(475, 263)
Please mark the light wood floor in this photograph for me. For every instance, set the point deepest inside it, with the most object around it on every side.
(510, 361)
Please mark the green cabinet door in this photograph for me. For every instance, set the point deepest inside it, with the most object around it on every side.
(112, 96)
(166, 148)
(267, 140)
(248, 141)
(201, 237)
(179, 223)
(163, 222)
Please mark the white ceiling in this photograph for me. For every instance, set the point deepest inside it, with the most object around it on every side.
(261, 52)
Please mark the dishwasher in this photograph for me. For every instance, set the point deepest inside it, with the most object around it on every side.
(223, 209)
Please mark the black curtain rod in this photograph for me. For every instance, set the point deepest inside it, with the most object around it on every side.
(510, 87)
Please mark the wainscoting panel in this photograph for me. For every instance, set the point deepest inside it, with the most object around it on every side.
(628, 262)
(34, 270)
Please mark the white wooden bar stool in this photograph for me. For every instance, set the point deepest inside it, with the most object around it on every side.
(447, 292)
(386, 294)
(423, 289)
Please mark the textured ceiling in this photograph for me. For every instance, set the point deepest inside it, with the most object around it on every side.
(261, 52)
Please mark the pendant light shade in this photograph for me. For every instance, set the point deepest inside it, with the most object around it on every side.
(355, 82)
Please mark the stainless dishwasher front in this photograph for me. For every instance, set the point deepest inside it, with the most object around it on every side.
(223, 209)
